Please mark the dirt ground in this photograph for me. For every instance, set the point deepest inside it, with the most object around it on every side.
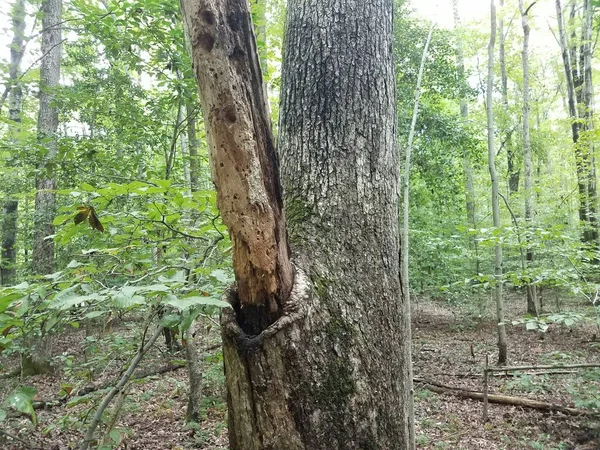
(153, 413)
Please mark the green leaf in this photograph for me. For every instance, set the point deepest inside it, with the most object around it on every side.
(187, 302)
(3, 414)
(21, 399)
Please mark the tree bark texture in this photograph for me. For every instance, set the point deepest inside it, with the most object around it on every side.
(331, 369)
(467, 166)
(502, 345)
(242, 153)
(532, 302)
(45, 198)
(10, 207)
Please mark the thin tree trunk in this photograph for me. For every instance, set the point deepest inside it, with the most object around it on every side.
(532, 303)
(467, 166)
(513, 169)
(405, 244)
(45, 198)
(575, 87)
(502, 345)
(310, 377)
(15, 104)
(192, 139)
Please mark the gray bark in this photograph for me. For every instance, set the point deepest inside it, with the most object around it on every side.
(10, 207)
(532, 302)
(193, 145)
(467, 166)
(502, 345)
(576, 87)
(331, 370)
(45, 198)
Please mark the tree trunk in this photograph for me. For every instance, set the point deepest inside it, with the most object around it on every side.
(15, 104)
(532, 302)
(467, 166)
(512, 166)
(502, 345)
(575, 80)
(325, 367)
(45, 197)
(192, 139)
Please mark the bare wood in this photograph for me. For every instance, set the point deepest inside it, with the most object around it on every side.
(241, 147)
(501, 399)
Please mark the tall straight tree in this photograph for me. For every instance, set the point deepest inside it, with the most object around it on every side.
(15, 104)
(532, 302)
(467, 166)
(502, 345)
(579, 88)
(511, 160)
(316, 354)
(45, 196)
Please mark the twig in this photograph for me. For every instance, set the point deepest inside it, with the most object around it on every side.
(120, 385)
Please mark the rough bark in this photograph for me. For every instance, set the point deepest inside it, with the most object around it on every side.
(45, 198)
(467, 166)
(502, 345)
(242, 153)
(532, 302)
(511, 160)
(331, 372)
(15, 103)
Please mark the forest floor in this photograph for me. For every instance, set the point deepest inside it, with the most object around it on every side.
(153, 413)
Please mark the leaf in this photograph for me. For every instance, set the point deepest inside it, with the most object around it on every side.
(185, 303)
(88, 212)
(21, 399)
(531, 326)
(3, 415)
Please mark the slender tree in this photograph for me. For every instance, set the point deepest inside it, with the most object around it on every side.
(309, 348)
(15, 104)
(511, 157)
(502, 345)
(580, 114)
(532, 302)
(467, 166)
(45, 197)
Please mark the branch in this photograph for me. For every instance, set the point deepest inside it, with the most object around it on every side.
(115, 390)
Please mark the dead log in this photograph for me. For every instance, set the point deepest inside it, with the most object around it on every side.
(501, 399)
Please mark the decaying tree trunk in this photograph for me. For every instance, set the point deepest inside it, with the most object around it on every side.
(502, 346)
(10, 207)
(316, 357)
(532, 301)
(45, 197)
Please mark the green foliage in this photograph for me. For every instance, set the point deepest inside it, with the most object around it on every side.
(20, 400)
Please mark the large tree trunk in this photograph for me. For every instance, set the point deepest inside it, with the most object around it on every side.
(532, 302)
(467, 166)
(325, 366)
(45, 197)
(502, 345)
(15, 104)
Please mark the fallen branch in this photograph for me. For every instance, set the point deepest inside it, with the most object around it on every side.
(16, 438)
(548, 366)
(501, 399)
